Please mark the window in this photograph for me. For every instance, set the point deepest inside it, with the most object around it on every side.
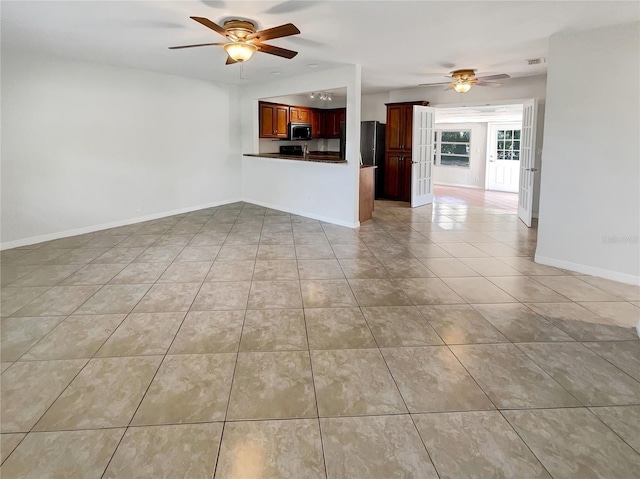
(453, 147)
(508, 145)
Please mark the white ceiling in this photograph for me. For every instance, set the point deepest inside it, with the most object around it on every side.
(399, 44)
(480, 114)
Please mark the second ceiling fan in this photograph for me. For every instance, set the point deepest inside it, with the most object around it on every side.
(244, 40)
(463, 80)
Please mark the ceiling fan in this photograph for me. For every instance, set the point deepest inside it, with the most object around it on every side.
(244, 40)
(463, 80)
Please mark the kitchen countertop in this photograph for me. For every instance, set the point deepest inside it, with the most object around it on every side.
(314, 156)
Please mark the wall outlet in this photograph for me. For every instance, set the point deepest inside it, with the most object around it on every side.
(138, 209)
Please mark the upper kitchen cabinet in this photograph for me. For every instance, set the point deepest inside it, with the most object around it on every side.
(333, 118)
(400, 125)
(317, 123)
(299, 114)
(274, 120)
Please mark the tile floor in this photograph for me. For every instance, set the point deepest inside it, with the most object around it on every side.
(241, 342)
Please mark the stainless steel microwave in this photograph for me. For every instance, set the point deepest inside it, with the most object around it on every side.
(299, 131)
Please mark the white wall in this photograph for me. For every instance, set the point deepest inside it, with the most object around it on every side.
(474, 176)
(373, 107)
(590, 205)
(318, 190)
(85, 145)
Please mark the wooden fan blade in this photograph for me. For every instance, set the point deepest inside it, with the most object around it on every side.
(277, 51)
(198, 45)
(489, 84)
(213, 26)
(230, 61)
(435, 84)
(275, 32)
(501, 76)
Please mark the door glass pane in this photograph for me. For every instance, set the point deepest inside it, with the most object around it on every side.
(500, 134)
(447, 160)
(516, 134)
(459, 149)
(500, 145)
(456, 136)
(509, 134)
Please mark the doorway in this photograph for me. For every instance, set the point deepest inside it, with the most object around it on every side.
(503, 157)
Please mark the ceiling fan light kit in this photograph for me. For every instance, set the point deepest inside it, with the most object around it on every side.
(244, 40)
(464, 80)
(462, 86)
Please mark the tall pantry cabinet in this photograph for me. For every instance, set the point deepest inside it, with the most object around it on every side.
(397, 165)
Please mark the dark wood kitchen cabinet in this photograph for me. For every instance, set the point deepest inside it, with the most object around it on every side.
(397, 165)
(333, 118)
(317, 123)
(274, 120)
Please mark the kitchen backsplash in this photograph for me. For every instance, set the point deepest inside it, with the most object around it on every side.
(273, 146)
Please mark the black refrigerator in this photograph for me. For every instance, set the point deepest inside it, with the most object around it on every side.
(372, 150)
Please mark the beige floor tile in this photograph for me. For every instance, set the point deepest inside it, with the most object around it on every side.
(375, 447)
(76, 337)
(80, 255)
(159, 254)
(337, 328)
(40, 257)
(139, 240)
(354, 382)
(327, 294)
(209, 238)
(276, 251)
(432, 380)
(231, 271)
(529, 267)
(320, 269)
(209, 332)
(20, 334)
(198, 253)
(274, 330)
(15, 298)
(11, 273)
(4, 366)
(314, 251)
(573, 443)
(186, 272)
(275, 295)
(29, 388)
(510, 378)
(476, 444)
(220, 295)
(490, 267)
(238, 252)
(429, 291)
(271, 449)
(622, 314)
(276, 269)
(628, 292)
(57, 301)
(114, 299)
(8, 442)
(143, 334)
(623, 420)
(351, 251)
(520, 324)
(463, 250)
(63, 454)
(46, 275)
(94, 274)
(478, 290)
(498, 250)
(119, 255)
(591, 379)
(407, 268)
(273, 385)
(428, 251)
(448, 267)
(363, 269)
(105, 394)
(575, 289)
(582, 324)
(140, 273)
(623, 354)
(163, 297)
(188, 388)
(394, 326)
(527, 289)
(461, 324)
(276, 238)
(186, 450)
(378, 292)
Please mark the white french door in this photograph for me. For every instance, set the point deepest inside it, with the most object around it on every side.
(422, 156)
(527, 161)
(503, 165)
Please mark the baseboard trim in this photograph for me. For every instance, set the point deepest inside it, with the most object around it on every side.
(114, 224)
(475, 187)
(302, 213)
(590, 270)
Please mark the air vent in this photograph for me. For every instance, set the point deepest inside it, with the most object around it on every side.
(535, 61)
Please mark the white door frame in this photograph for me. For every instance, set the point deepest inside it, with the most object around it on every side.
(491, 129)
(422, 155)
(536, 154)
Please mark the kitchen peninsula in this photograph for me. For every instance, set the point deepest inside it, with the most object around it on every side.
(314, 156)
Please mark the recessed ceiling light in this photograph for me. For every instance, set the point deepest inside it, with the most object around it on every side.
(276, 73)
(312, 65)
